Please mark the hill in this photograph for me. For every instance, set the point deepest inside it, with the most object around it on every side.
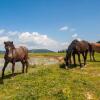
(40, 51)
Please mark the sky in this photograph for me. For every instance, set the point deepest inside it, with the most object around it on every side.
(49, 24)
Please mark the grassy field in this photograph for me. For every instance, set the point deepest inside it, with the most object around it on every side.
(46, 54)
(51, 82)
(41, 54)
(1, 55)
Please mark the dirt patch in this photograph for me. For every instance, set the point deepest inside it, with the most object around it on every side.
(89, 96)
(32, 61)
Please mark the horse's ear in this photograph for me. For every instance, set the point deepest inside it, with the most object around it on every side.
(4, 42)
(12, 42)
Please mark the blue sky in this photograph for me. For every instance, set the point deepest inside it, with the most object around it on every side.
(51, 24)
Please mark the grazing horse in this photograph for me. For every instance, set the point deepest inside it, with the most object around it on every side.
(94, 47)
(77, 47)
(13, 55)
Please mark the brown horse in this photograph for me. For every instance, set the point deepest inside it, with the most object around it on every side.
(77, 47)
(13, 55)
(94, 47)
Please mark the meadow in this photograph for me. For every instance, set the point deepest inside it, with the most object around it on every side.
(52, 82)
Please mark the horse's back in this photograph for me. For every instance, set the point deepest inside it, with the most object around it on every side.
(78, 46)
(21, 52)
(85, 45)
(96, 47)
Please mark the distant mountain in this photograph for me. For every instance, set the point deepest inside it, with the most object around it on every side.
(34, 51)
(40, 51)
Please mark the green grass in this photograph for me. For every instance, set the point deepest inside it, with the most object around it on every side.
(41, 54)
(1, 55)
(54, 83)
(46, 54)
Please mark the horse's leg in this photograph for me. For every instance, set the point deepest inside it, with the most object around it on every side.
(83, 54)
(5, 65)
(79, 59)
(27, 64)
(66, 61)
(93, 56)
(85, 57)
(90, 55)
(23, 66)
(13, 68)
(70, 60)
(74, 59)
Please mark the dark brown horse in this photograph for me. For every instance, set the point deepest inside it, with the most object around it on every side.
(13, 55)
(77, 47)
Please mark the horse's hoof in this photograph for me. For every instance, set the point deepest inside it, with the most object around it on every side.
(66, 67)
(13, 75)
(85, 65)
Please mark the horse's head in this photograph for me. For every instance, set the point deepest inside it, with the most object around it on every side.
(8, 45)
(67, 58)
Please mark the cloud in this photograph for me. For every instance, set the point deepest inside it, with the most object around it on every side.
(64, 28)
(74, 35)
(72, 29)
(2, 31)
(32, 40)
(79, 39)
(37, 40)
(3, 38)
(12, 33)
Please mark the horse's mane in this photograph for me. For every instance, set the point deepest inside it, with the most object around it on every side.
(74, 41)
(72, 44)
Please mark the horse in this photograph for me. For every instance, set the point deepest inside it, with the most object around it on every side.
(13, 55)
(77, 47)
(94, 47)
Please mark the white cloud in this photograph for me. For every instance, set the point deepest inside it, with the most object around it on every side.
(72, 30)
(31, 40)
(64, 28)
(12, 33)
(37, 40)
(3, 38)
(36, 37)
(64, 45)
(79, 39)
(75, 35)
(2, 31)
